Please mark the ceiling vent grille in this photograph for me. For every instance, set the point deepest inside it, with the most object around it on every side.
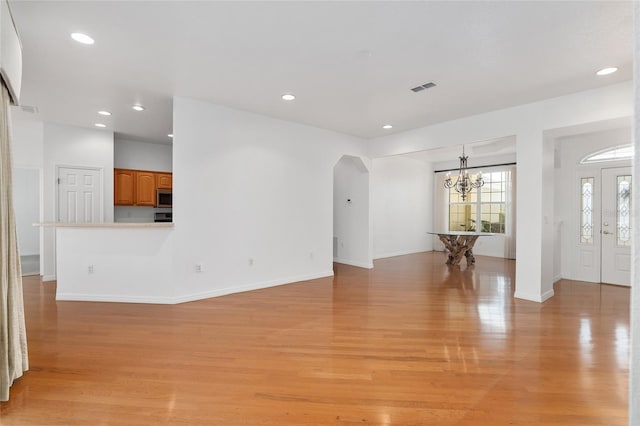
(29, 109)
(422, 87)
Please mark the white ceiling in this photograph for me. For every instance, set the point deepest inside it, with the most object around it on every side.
(351, 64)
(490, 148)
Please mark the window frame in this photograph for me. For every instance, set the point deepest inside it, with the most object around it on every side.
(477, 203)
(587, 159)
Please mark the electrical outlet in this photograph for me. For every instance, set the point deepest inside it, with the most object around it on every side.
(90, 269)
(199, 267)
(250, 261)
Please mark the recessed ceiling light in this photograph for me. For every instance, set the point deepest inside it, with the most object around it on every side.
(170, 135)
(138, 107)
(82, 38)
(288, 96)
(100, 125)
(607, 71)
(387, 126)
(104, 113)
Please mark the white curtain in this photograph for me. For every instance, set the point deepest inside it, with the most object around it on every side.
(510, 219)
(13, 336)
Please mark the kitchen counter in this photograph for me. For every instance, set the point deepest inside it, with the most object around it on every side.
(106, 225)
(114, 262)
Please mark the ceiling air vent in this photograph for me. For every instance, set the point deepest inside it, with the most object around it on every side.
(422, 87)
(29, 109)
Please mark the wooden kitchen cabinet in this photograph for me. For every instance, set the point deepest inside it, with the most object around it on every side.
(124, 185)
(164, 180)
(145, 189)
(138, 187)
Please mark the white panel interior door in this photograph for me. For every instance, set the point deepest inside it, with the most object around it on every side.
(79, 195)
(616, 226)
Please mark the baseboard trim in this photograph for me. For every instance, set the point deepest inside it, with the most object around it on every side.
(356, 263)
(400, 253)
(77, 297)
(557, 278)
(535, 297)
(547, 295)
(249, 287)
(46, 278)
(189, 297)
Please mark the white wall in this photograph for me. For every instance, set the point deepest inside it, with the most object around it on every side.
(535, 221)
(128, 264)
(41, 146)
(253, 199)
(351, 213)
(27, 148)
(569, 151)
(138, 155)
(26, 204)
(27, 143)
(80, 147)
(402, 193)
(253, 207)
(547, 189)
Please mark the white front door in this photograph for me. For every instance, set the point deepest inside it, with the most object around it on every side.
(79, 195)
(616, 226)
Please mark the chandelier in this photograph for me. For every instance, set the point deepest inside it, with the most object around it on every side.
(464, 183)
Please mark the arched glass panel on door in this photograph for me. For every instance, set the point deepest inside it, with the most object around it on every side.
(621, 152)
(623, 211)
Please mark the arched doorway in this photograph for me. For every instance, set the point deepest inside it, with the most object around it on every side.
(351, 218)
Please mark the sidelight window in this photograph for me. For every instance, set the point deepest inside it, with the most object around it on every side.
(586, 210)
(623, 211)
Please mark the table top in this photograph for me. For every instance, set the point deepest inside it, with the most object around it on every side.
(462, 233)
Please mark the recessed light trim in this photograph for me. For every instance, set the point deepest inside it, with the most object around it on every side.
(170, 135)
(138, 107)
(82, 38)
(387, 126)
(104, 112)
(100, 125)
(288, 97)
(607, 71)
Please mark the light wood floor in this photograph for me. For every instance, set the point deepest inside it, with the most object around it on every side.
(411, 342)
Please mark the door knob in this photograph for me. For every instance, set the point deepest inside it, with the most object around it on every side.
(606, 232)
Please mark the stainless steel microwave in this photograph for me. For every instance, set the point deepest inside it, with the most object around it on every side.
(164, 198)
